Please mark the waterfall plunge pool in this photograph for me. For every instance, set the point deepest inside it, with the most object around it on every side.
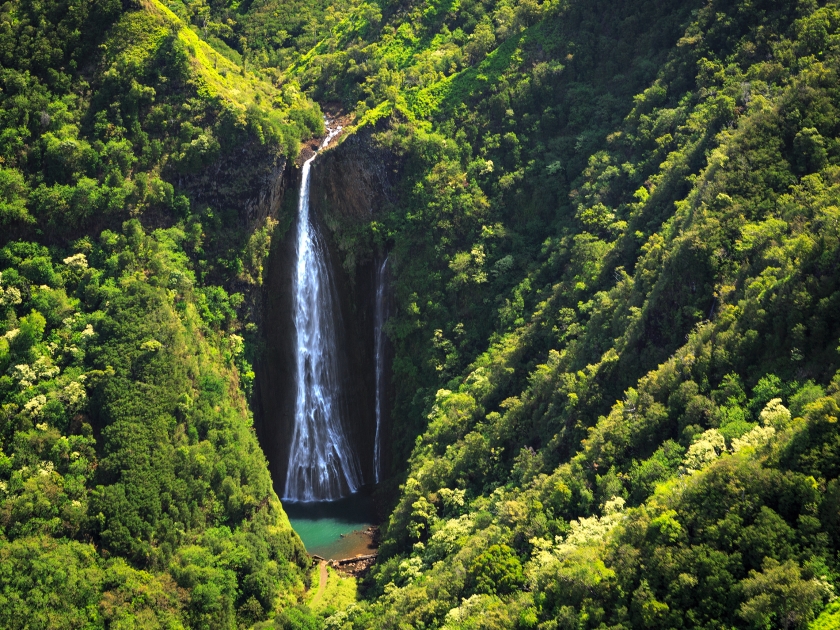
(334, 529)
(322, 465)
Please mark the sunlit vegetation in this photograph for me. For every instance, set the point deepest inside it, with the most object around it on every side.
(125, 438)
(338, 593)
(133, 492)
(614, 244)
(614, 247)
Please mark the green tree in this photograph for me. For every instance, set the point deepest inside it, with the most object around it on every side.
(778, 597)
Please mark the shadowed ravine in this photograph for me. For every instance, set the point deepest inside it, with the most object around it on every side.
(323, 389)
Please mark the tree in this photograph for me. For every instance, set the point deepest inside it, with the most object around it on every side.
(496, 571)
(778, 597)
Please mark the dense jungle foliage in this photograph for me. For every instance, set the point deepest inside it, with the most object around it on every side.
(133, 492)
(614, 255)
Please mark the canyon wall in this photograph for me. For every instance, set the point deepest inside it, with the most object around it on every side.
(350, 185)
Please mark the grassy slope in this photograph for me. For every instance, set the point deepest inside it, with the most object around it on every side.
(338, 593)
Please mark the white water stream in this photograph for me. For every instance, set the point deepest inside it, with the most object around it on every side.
(380, 316)
(322, 465)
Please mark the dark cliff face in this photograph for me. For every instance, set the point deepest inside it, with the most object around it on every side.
(350, 184)
(353, 182)
(274, 385)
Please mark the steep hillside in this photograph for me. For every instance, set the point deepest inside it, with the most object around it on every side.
(615, 251)
(140, 174)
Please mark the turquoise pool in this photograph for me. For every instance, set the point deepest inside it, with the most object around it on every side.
(333, 529)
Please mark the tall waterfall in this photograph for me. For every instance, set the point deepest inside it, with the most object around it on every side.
(379, 351)
(322, 465)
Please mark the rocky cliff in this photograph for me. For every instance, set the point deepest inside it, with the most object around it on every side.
(351, 184)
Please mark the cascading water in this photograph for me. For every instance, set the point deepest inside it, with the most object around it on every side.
(379, 355)
(322, 465)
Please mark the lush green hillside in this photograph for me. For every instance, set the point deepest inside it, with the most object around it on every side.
(642, 200)
(133, 487)
(133, 492)
(615, 249)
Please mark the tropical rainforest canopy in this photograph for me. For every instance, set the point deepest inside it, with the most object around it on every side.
(615, 248)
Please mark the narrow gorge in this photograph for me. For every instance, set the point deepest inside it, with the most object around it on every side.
(323, 385)
(322, 465)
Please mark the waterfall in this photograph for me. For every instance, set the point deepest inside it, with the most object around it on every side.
(379, 355)
(322, 465)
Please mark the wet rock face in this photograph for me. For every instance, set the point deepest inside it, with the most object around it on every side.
(350, 184)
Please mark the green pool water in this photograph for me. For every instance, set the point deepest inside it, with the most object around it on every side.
(333, 529)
